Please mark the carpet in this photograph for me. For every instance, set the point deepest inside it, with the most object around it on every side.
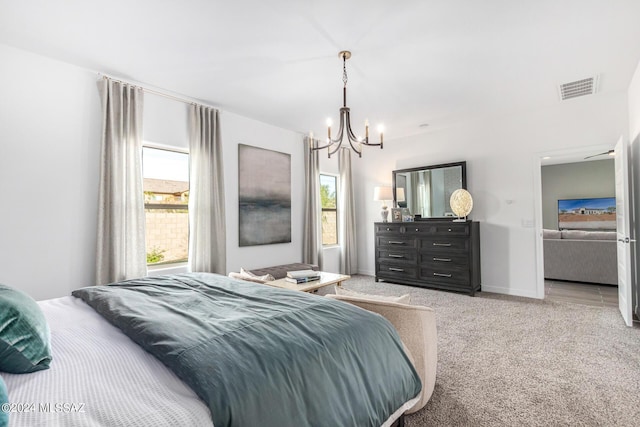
(510, 361)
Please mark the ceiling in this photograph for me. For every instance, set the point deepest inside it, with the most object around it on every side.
(414, 61)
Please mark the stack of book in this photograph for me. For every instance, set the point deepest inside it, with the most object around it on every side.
(302, 276)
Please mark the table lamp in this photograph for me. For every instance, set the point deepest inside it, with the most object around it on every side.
(383, 194)
(461, 204)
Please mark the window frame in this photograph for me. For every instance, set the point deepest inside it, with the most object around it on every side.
(158, 206)
(323, 209)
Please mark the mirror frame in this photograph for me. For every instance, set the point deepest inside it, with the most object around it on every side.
(463, 164)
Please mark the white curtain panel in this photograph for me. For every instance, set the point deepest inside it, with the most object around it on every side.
(121, 250)
(347, 220)
(207, 234)
(312, 229)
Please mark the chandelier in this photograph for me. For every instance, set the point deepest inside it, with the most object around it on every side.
(356, 143)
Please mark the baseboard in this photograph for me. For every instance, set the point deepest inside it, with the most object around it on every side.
(367, 272)
(494, 289)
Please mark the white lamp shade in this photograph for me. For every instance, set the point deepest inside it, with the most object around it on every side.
(382, 193)
(400, 194)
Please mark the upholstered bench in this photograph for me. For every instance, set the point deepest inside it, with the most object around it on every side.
(280, 271)
(267, 274)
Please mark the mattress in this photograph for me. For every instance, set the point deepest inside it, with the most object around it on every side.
(99, 377)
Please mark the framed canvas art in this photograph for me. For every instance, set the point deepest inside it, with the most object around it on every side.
(587, 214)
(264, 193)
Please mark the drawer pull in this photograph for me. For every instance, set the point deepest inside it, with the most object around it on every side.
(388, 229)
(393, 242)
(449, 230)
(396, 269)
(417, 229)
(441, 275)
(442, 259)
(395, 256)
(440, 244)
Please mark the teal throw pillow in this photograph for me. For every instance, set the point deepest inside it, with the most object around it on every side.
(24, 333)
(4, 398)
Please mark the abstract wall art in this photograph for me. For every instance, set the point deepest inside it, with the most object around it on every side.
(264, 193)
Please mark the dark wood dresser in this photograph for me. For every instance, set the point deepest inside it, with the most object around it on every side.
(431, 253)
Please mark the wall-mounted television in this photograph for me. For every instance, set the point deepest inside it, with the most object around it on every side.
(587, 214)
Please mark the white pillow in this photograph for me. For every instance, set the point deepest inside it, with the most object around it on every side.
(250, 277)
(265, 278)
(403, 299)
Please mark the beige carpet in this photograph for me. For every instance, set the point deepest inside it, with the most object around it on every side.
(507, 361)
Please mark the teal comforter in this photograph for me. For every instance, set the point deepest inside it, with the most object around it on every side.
(263, 356)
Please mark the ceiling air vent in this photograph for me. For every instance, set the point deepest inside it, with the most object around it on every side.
(582, 87)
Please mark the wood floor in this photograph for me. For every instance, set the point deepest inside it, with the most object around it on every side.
(581, 293)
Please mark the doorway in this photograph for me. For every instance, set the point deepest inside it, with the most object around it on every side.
(564, 179)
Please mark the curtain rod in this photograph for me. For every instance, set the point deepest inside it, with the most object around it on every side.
(156, 92)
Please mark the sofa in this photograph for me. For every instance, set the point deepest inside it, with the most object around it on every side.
(581, 256)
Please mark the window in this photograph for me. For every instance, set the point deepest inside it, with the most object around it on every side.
(166, 204)
(328, 200)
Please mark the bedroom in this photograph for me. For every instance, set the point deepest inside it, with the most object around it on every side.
(50, 120)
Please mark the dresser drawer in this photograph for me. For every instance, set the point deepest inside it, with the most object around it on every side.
(445, 276)
(442, 260)
(451, 229)
(389, 228)
(397, 256)
(395, 242)
(444, 244)
(395, 271)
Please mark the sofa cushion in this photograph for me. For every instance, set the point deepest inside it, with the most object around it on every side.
(574, 234)
(551, 234)
(588, 235)
(601, 235)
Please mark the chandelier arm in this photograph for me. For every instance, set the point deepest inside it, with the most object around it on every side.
(322, 147)
(350, 134)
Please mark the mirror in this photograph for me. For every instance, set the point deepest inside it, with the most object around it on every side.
(426, 190)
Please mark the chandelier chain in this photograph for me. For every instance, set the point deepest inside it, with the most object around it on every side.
(344, 71)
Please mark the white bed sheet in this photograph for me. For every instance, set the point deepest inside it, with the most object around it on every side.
(98, 368)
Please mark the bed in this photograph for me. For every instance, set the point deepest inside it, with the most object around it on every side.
(201, 349)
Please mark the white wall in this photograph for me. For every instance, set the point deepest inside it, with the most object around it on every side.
(49, 165)
(574, 181)
(165, 121)
(240, 130)
(500, 153)
(50, 121)
(634, 138)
